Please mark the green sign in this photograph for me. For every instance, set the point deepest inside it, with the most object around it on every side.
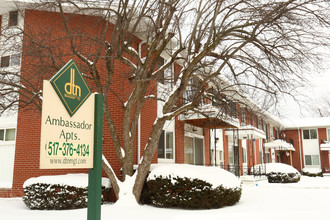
(71, 87)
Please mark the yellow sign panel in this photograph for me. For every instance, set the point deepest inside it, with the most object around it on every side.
(66, 141)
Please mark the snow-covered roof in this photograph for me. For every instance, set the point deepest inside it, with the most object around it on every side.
(325, 147)
(279, 144)
(306, 123)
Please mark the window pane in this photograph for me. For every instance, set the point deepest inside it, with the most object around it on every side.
(2, 133)
(231, 154)
(5, 61)
(199, 151)
(15, 60)
(244, 155)
(315, 160)
(10, 134)
(188, 150)
(313, 134)
(160, 63)
(328, 130)
(161, 145)
(308, 159)
(169, 145)
(306, 134)
(13, 15)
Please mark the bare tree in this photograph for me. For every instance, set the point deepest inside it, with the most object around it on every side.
(222, 45)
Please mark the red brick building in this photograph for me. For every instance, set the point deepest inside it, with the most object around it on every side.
(236, 142)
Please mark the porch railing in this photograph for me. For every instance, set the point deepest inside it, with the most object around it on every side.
(244, 169)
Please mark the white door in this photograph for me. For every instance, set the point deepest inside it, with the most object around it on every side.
(7, 155)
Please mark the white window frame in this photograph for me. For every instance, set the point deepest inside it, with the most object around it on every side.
(309, 134)
(312, 160)
(4, 135)
(167, 160)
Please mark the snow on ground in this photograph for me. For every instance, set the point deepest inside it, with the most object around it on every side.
(305, 200)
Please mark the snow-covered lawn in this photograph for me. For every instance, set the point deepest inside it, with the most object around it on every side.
(308, 199)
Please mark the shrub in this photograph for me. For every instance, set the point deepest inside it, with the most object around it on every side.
(278, 177)
(190, 193)
(312, 172)
(278, 172)
(60, 191)
(47, 196)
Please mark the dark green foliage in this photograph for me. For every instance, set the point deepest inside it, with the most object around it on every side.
(278, 177)
(187, 193)
(320, 174)
(47, 196)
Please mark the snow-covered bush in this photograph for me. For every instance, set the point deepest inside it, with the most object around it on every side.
(277, 172)
(60, 192)
(191, 187)
(312, 172)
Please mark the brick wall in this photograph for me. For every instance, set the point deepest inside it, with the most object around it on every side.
(296, 158)
(29, 119)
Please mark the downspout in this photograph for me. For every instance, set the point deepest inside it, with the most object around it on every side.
(139, 140)
(139, 121)
(300, 149)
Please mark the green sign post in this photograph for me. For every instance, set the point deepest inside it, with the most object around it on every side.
(95, 174)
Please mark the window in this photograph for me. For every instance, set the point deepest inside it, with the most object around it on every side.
(276, 133)
(165, 145)
(193, 150)
(243, 118)
(2, 134)
(266, 131)
(191, 90)
(291, 142)
(259, 124)
(309, 134)
(13, 18)
(5, 61)
(15, 60)
(271, 131)
(244, 155)
(164, 77)
(231, 153)
(261, 151)
(328, 133)
(267, 157)
(7, 134)
(312, 160)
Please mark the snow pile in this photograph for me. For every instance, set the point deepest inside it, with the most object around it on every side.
(213, 175)
(312, 170)
(79, 180)
(273, 168)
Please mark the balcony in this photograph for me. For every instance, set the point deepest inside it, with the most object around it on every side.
(208, 115)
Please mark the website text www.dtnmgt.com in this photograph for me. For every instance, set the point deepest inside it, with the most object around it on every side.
(68, 161)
